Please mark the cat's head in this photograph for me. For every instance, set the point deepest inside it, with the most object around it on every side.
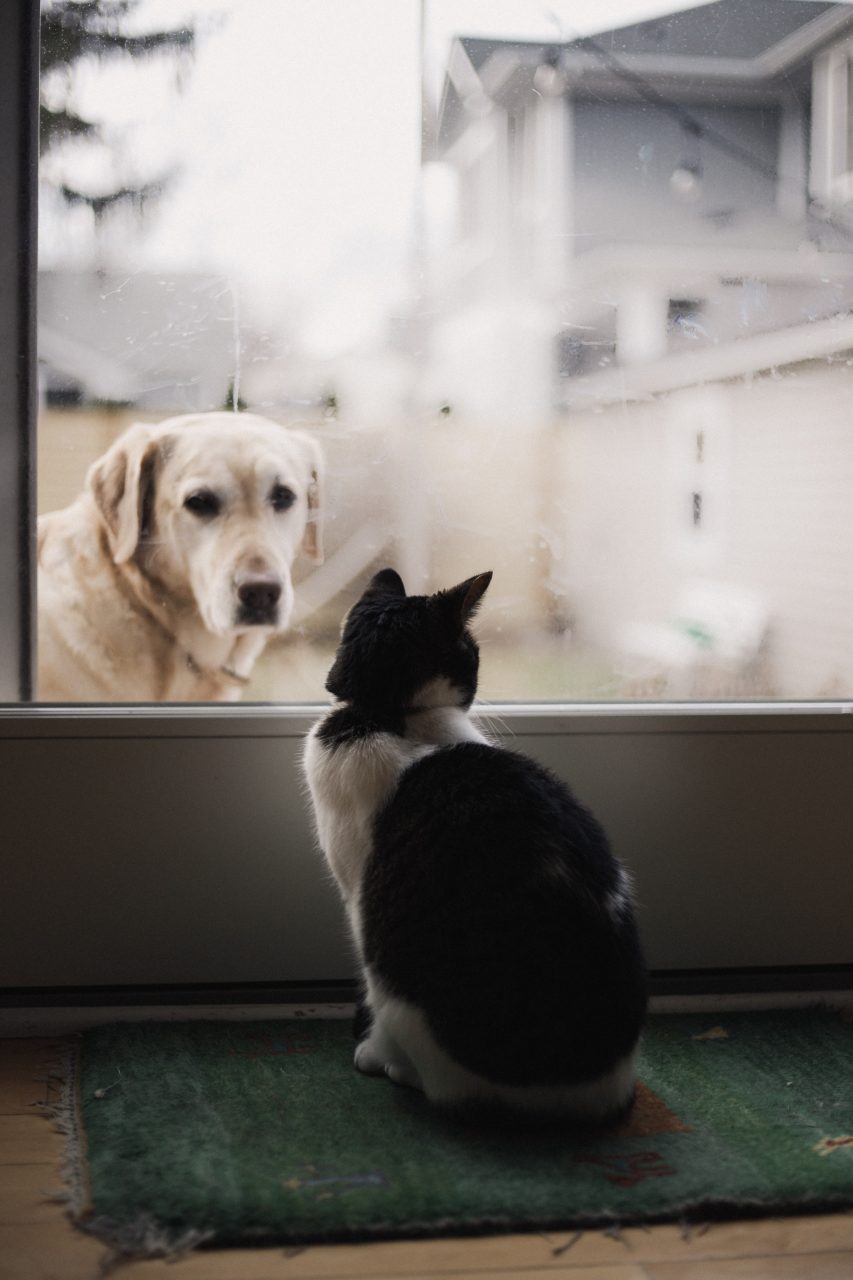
(398, 652)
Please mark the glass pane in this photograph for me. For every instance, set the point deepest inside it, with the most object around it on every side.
(537, 289)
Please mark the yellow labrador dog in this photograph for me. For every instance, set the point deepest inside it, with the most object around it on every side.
(167, 576)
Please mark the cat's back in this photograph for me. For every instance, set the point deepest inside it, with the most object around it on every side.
(498, 805)
(491, 898)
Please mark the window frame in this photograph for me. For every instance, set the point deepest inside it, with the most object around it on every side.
(19, 88)
(69, 731)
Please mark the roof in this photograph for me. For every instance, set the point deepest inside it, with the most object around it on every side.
(735, 45)
(725, 28)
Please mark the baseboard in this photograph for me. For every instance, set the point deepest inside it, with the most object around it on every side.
(662, 982)
(59, 1011)
(69, 1020)
(327, 991)
(775, 980)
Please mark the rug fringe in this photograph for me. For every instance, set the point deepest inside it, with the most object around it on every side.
(63, 1113)
(142, 1240)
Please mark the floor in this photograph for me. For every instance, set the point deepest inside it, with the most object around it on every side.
(38, 1243)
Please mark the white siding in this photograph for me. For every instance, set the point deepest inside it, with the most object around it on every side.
(788, 521)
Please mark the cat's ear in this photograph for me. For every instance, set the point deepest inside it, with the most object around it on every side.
(387, 582)
(462, 602)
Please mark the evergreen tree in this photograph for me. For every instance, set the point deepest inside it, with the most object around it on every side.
(72, 30)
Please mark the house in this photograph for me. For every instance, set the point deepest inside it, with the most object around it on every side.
(661, 187)
(649, 265)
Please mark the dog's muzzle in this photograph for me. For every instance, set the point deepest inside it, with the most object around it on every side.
(258, 601)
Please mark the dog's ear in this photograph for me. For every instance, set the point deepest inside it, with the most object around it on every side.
(121, 482)
(312, 539)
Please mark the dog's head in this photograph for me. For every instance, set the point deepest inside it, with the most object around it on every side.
(213, 508)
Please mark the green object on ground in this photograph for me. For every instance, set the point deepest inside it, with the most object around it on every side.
(264, 1132)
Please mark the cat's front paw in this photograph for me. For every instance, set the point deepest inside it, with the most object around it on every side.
(403, 1073)
(367, 1060)
(370, 1060)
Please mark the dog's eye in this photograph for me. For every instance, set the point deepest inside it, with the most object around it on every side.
(203, 503)
(281, 497)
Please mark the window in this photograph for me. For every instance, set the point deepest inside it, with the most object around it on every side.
(140, 820)
(685, 320)
(398, 302)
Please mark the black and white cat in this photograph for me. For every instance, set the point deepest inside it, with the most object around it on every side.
(495, 928)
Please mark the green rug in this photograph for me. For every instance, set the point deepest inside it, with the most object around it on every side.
(262, 1132)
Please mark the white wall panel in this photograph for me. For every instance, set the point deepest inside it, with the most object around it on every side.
(147, 850)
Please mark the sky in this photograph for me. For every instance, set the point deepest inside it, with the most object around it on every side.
(294, 141)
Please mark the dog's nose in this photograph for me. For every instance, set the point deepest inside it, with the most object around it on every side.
(259, 595)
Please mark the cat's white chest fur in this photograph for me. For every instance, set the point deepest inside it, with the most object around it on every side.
(349, 784)
(351, 781)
